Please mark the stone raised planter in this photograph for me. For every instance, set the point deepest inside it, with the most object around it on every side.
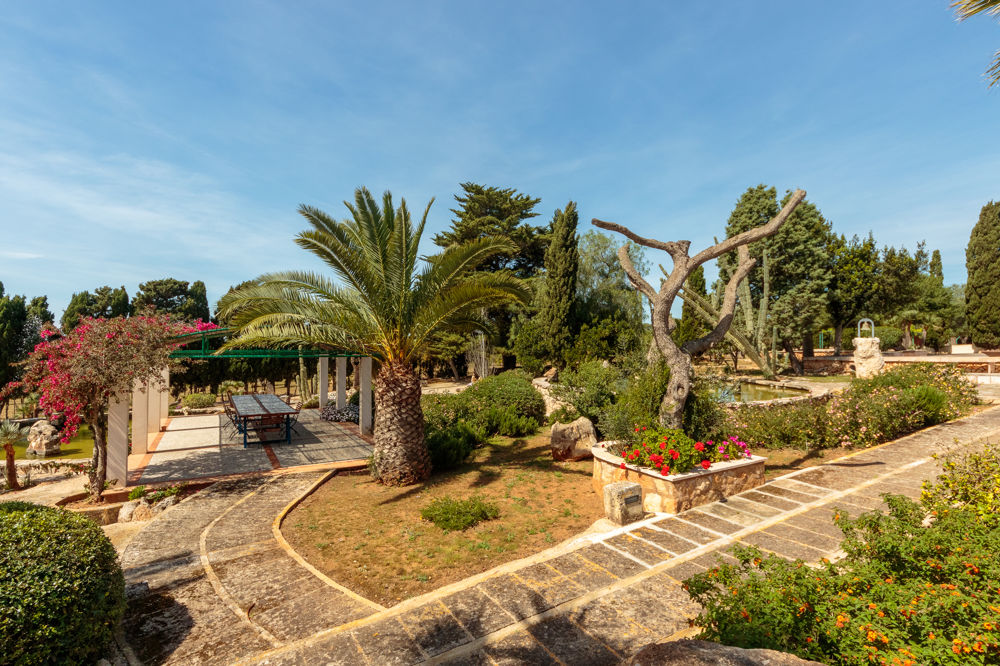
(679, 492)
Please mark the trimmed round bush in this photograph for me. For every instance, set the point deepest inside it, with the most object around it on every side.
(62, 591)
(505, 404)
(198, 400)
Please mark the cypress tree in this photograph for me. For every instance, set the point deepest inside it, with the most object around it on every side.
(982, 291)
(555, 311)
(936, 268)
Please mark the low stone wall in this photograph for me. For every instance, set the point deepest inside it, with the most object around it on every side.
(814, 395)
(679, 492)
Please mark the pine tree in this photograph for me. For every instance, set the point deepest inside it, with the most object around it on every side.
(799, 259)
(555, 311)
(982, 291)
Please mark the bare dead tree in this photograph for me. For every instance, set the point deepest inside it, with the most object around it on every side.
(679, 358)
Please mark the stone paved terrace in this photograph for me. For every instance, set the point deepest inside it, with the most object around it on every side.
(194, 447)
(211, 581)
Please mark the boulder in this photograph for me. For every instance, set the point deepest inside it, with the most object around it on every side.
(143, 510)
(552, 374)
(128, 510)
(164, 504)
(868, 360)
(43, 439)
(573, 441)
(545, 388)
(705, 653)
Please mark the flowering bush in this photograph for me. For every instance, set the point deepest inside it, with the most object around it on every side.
(909, 591)
(670, 451)
(869, 412)
(77, 374)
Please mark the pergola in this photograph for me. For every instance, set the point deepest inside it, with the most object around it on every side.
(149, 403)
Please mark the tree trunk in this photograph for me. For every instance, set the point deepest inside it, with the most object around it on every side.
(454, 369)
(907, 340)
(678, 388)
(793, 360)
(401, 455)
(99, 461)
(11, 469)
(808, 350)
(838, 339)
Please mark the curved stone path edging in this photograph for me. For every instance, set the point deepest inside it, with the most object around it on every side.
(242, 595)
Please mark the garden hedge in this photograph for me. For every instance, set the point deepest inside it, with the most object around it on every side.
(62, 591)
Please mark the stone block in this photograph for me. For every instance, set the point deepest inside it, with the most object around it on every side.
(623, 502)
(704, 653)
(868, 360)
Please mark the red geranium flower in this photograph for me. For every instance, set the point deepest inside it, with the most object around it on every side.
(706, 464)
(665, 470)
(623, 465)
(674, 454)
(663, 445)
(699, 446)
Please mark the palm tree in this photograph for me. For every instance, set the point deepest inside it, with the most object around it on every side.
(10, 434)
(385, 307)
(967, 8)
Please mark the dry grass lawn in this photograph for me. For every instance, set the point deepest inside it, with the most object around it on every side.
(372, 539)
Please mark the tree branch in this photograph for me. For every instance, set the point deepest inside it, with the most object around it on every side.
(674, 249)
(727, 308)
(751, 235)
(633, 274)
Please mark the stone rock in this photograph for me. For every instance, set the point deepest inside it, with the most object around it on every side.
(43, 439)
(623, 502)
(128, 508)
(543, 386)
(164, 504)
(573, 441)
(705, 653)
(552, 374)
(868, 360)
(142, 511)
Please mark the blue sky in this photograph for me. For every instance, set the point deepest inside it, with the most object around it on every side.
(146, 140)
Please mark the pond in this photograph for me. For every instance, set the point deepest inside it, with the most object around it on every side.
(752, 392)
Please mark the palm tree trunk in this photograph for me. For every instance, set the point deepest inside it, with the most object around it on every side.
(11, 468)
(401, 456)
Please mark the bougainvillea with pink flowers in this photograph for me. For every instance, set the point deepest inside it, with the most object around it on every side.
(78, 373)
(670, 451)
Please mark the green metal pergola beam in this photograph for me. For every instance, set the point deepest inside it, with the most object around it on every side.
(205, 353)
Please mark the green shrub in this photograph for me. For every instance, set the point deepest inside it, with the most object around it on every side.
(590, 389)
(198, 400)
(504, 404)
(451, 446)
(889, 337)
(892, 404)
(703, 415)
(564, 414)
(970, 482)
(442, 410)
(311, 403)
(907, 591)
(137, 493)
(456, 515)
(637, 404)
(165, 492)
(62, 592)
(800, 425)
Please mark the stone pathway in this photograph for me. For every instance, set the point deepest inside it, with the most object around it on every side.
(211, 582)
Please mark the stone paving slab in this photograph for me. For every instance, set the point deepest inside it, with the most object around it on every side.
(596, 603)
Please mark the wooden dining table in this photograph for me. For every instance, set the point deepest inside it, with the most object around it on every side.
(262, 407)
